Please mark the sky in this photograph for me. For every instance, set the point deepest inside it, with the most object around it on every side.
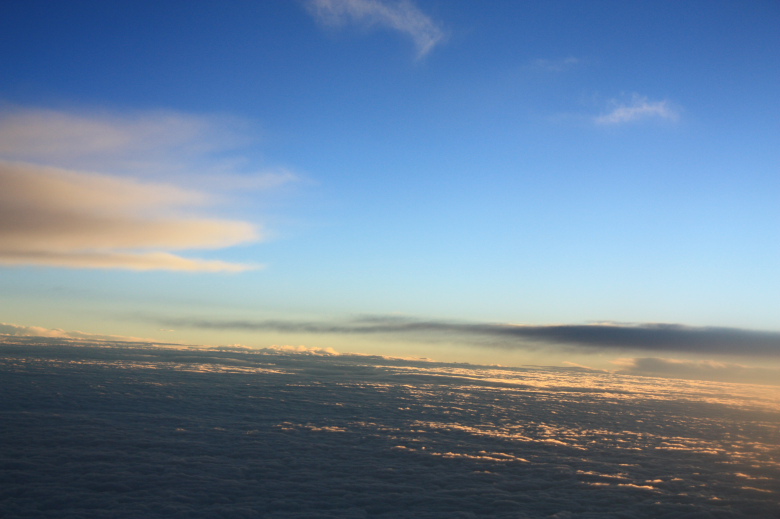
(591, 183)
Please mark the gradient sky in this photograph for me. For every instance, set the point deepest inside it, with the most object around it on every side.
(294, 172)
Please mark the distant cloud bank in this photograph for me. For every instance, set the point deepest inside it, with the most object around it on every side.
(75, 191)
(402, 16)
(16, 330)
(663, 367)
(602, 336)
(697, 370)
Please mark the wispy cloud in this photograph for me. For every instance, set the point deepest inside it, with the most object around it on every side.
(75, 190)
(593, 337)
(120, 142)
(149, 144)
(556, 65)
(401, 15)
(638, 108)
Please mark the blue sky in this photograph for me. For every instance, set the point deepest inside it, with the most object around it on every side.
(194, 173)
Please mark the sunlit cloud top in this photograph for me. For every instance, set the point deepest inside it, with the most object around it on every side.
(402, 16)
(16, 330)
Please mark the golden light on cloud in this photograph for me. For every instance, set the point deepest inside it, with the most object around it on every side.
(56, 217)
(16, 330)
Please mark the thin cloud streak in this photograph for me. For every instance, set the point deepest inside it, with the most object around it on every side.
(142, 261)
(639, 108)
(556, 65)
(647, 336)
(402, 16)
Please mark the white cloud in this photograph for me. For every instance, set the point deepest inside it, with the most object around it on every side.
(638, 108)
(402, 16)
(75, 189)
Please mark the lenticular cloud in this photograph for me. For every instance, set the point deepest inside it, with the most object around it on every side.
(57, 217)
(83, 191)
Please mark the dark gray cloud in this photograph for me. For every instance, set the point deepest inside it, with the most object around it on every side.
(623, 336)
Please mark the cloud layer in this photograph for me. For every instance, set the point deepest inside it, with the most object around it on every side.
(609, 336)
(402, 16)
(82, 190)
(127, 431)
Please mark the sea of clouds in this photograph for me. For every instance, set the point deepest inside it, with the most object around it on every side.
(95, 429)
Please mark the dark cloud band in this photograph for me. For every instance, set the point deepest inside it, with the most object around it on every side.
(645, 336)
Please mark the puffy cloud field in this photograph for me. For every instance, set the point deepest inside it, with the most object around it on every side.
(96, 429)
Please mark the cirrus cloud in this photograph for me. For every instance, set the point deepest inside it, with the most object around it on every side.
(151, 141)
(402, 16)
